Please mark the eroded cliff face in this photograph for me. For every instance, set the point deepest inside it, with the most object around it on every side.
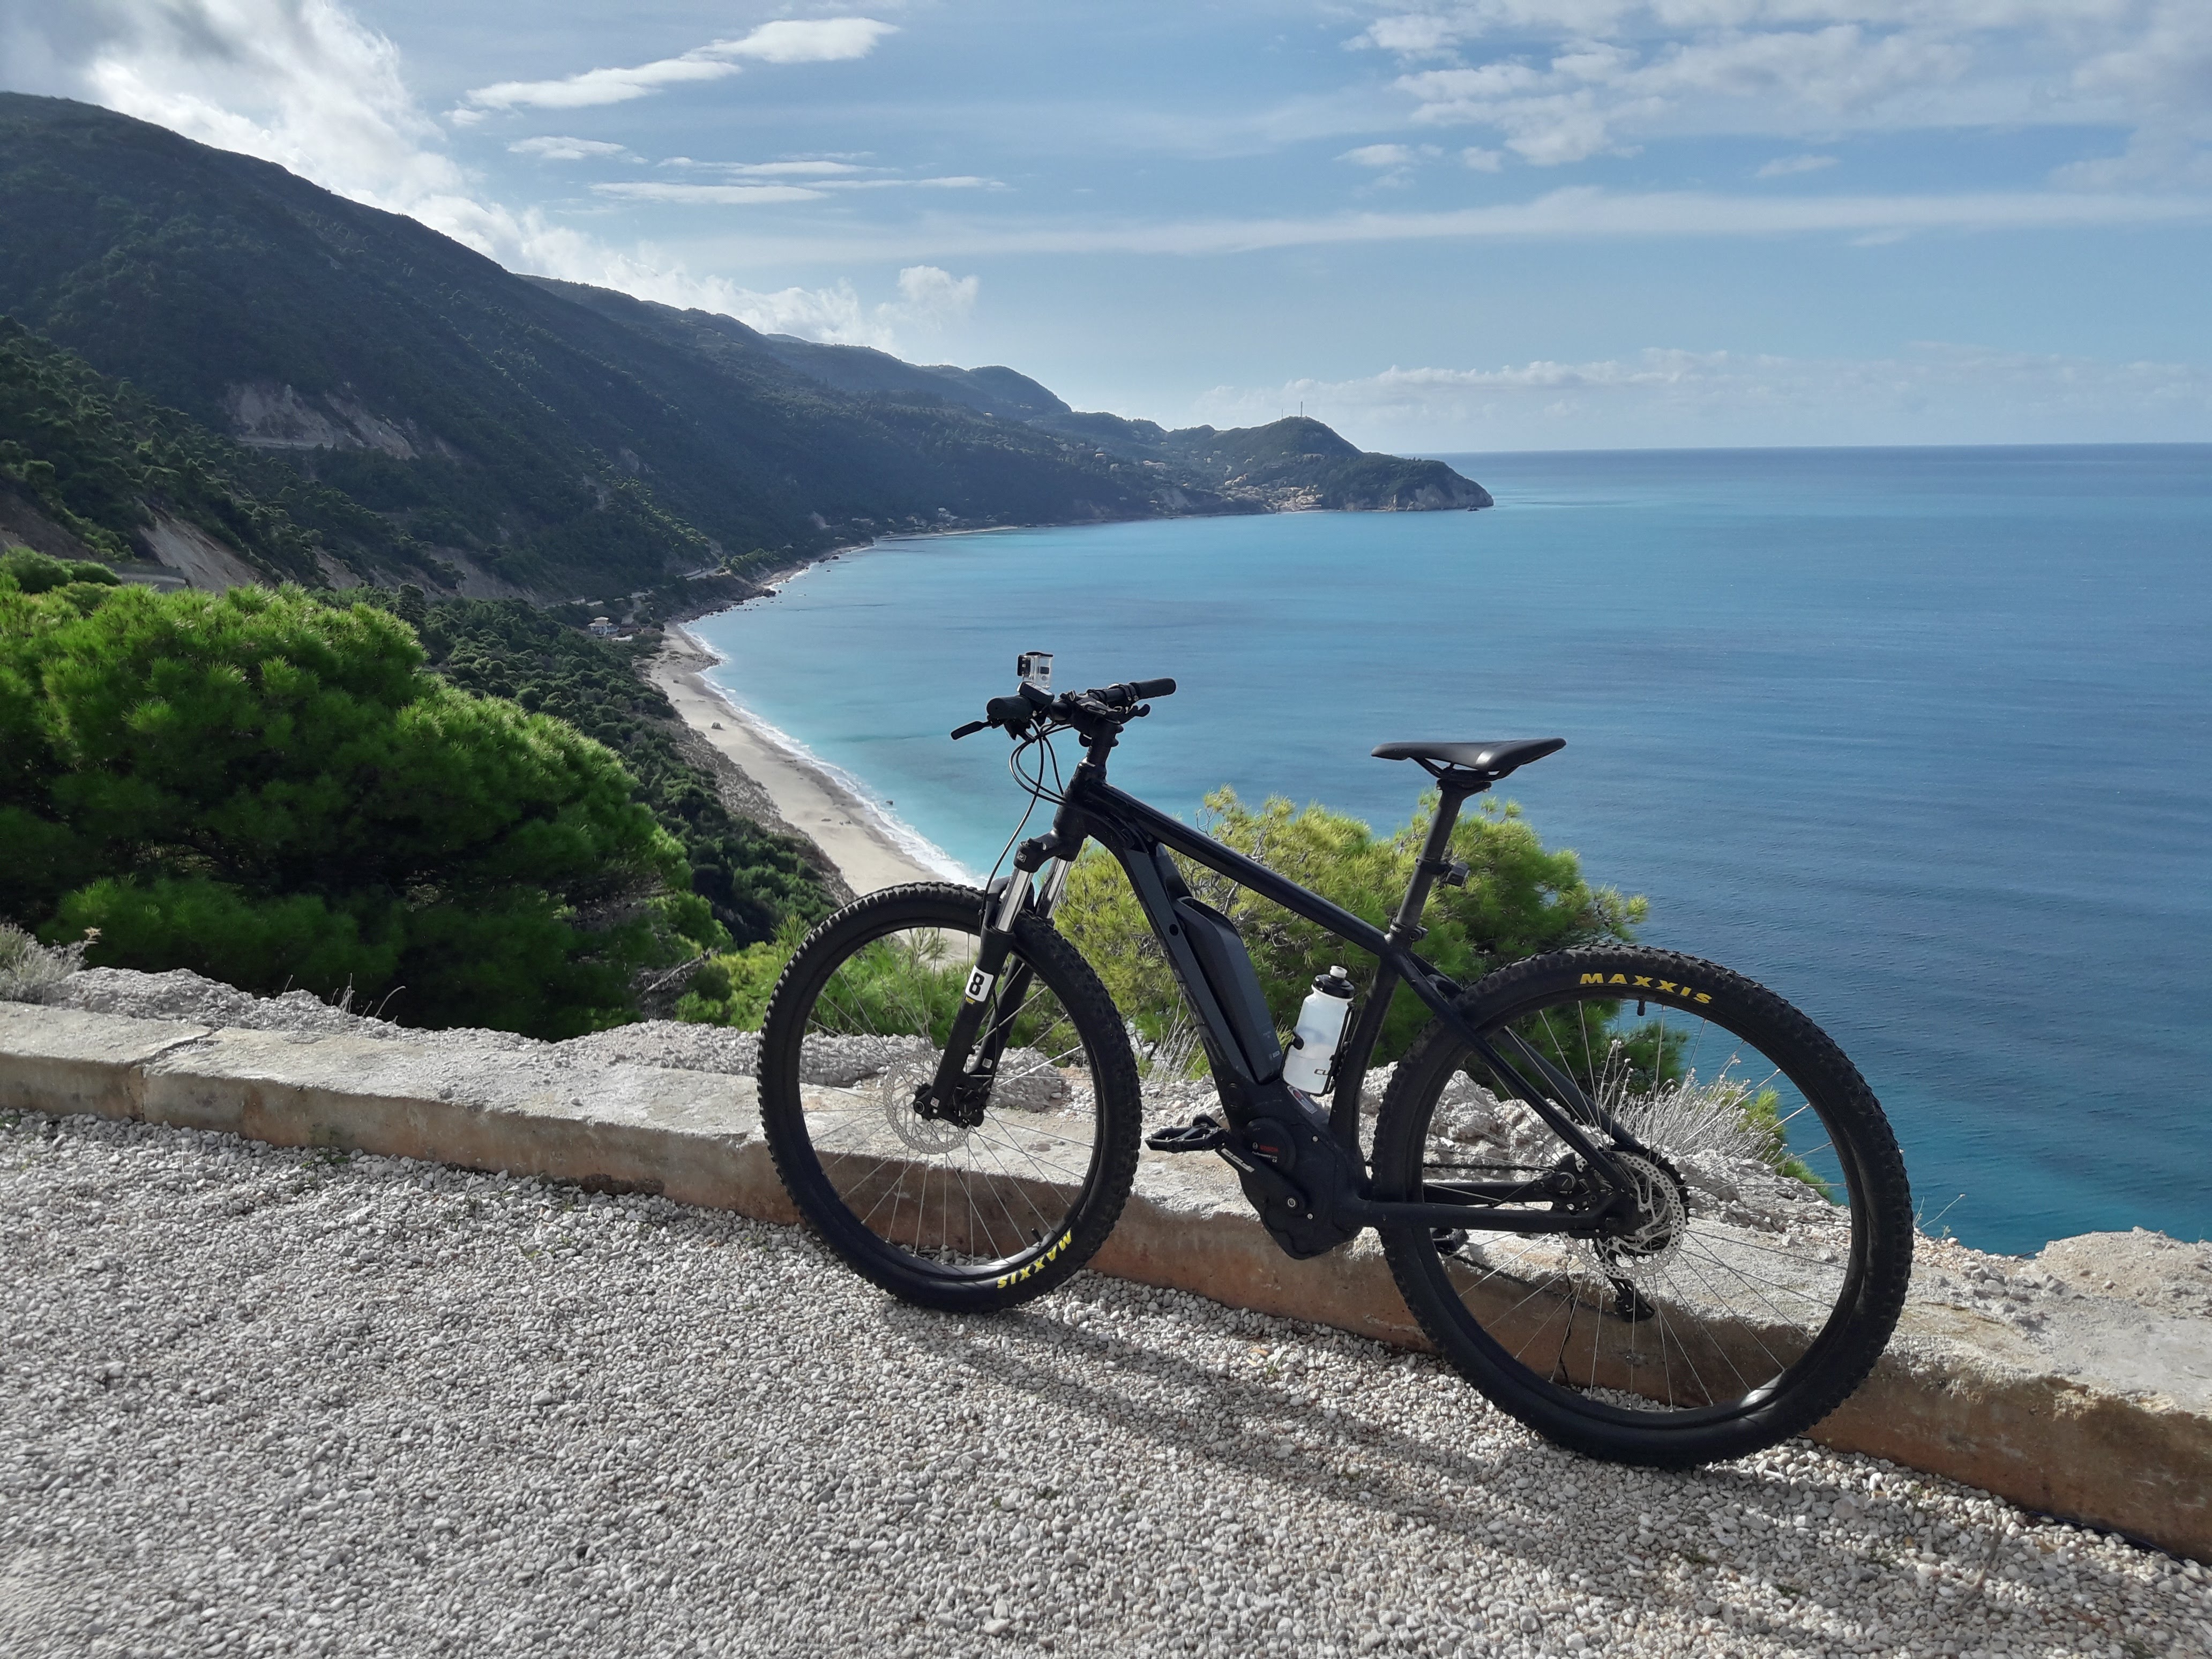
(269, 415)
(198, 557)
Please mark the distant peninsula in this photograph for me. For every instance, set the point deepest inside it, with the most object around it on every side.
(239, 375)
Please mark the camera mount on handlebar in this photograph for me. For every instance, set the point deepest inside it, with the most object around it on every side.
(1099, 712)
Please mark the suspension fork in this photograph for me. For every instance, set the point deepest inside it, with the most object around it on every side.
(958, 1089)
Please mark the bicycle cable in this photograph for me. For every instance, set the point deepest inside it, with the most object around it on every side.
(1034, 786)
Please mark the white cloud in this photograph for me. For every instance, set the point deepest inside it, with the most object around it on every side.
(1592, 97)
(768, 169)
(600, 85)
(814, 40)
(303, 83)
(1579, 212)
(790, 40)
(1933, 393)
(1563, 79)
(951, 181)
(1483, 160)
(928, 298)
(1788, 166)
(708, 195)
(762, 195)
(299, 82)
(1379, 155)
(566, 149)
(934, 297)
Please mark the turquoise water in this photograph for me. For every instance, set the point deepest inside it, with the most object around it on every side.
(1918, 738)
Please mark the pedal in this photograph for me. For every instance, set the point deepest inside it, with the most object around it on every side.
(1201, 1135)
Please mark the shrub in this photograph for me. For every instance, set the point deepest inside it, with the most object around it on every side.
(753, 881)
(733, 988)
(1519, 899)
(271, 790)
(35, 573)
(29, 971)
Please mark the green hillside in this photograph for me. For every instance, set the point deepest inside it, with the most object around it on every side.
(99, 462)
(541, 442)
(521, 435)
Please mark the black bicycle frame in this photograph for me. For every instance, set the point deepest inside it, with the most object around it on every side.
(1141, 836)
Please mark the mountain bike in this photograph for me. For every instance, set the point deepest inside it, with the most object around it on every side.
(1643, 1204)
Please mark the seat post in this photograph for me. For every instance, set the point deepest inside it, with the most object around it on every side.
(1406, 927)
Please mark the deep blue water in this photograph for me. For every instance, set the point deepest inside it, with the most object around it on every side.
(1921, 739)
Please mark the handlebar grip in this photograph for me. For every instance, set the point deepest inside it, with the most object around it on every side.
(1143, 689)
(1008, 711)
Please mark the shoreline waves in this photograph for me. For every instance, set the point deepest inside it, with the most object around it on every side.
(871, 849)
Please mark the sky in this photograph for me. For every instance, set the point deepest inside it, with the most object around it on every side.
(1475, 225)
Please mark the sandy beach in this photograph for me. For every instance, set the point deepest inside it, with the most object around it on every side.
(812, 801)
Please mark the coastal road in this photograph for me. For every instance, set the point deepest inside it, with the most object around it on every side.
(259, 1400)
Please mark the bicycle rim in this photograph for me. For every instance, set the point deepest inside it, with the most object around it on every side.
(1761, 1273)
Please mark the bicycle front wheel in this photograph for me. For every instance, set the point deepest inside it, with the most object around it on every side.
(972, 1214)
(1758, 1272)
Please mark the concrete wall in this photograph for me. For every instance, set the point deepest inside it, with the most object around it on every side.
(2101, 1413)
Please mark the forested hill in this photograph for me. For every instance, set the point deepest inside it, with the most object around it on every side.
(525, 436)
(1287, 464)
(92, 468)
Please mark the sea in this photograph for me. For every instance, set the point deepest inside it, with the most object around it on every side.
(1921, 739)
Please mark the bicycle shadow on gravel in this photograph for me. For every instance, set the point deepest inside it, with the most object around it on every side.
(1262, 1432)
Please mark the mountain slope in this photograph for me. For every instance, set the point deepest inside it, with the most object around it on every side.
(531, 436)
(1287, 464)
(92, 467)
(533, 439)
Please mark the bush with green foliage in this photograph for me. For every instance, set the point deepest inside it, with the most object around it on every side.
(30, 971)
(271, 790)
(35, 573)
(1519, 899)
(732, 988)
(754, 880)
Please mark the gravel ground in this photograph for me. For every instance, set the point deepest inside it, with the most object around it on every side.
(256, 1401)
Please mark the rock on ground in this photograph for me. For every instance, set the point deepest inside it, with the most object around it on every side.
(257, 1401)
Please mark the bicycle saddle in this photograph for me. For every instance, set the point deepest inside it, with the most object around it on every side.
(1487, 762)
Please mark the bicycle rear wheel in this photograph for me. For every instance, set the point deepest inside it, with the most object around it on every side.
(1764, 1263)
(962, 1215)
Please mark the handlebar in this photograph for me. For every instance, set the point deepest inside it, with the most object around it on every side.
(1139, 689)
(1116, 703)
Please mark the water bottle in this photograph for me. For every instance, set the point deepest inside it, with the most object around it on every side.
(1321, 1027)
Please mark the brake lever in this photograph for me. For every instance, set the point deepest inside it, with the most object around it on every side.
(970, 730)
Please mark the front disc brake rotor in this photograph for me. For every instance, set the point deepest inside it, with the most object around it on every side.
(898, 1088)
